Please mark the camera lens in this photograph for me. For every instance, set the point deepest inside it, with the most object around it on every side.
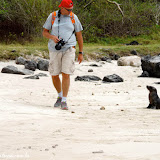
(58, 46)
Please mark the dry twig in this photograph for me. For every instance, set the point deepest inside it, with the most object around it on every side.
(118, 5)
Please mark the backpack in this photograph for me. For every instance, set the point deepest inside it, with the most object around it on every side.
(71, 17)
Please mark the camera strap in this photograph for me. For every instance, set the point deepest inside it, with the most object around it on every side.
(70, 36)
(59, 14)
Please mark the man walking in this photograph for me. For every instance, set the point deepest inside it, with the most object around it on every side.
(65, 27)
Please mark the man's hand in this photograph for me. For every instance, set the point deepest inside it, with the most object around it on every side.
(80, 58)
(55, 39)
(49, 36)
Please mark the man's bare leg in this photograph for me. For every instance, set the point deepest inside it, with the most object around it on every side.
(65, 88)
(57, 83)
(65, 84)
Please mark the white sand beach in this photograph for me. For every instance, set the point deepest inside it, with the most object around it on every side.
(32, 129)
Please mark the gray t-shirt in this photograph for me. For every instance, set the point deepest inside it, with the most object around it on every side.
(66, 28)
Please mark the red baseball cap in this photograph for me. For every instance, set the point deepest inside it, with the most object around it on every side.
(66, 3)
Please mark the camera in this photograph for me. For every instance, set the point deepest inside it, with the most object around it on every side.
(59, 45)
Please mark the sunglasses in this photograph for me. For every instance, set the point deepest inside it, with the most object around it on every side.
(68, 9)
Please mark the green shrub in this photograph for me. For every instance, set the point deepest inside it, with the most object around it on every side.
(100, 18)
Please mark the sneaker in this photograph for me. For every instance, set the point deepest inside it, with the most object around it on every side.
(58, 102)
(64, 106)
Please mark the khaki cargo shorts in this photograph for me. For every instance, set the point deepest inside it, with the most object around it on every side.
(62, 62)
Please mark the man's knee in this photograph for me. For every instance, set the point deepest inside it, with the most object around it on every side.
(55, 77)
(66, 76)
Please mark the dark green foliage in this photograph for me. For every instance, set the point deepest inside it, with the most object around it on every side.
(24, 17)
(100, 19)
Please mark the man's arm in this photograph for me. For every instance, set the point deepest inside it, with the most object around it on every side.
(80, 40)
(80, 44)
(49, 36)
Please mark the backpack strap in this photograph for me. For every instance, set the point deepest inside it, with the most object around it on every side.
(72, 18)
(53, 17)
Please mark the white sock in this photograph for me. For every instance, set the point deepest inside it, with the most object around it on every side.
(64, 99)
(60, 94)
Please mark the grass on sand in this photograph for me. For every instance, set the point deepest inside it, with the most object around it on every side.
(92, 50)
